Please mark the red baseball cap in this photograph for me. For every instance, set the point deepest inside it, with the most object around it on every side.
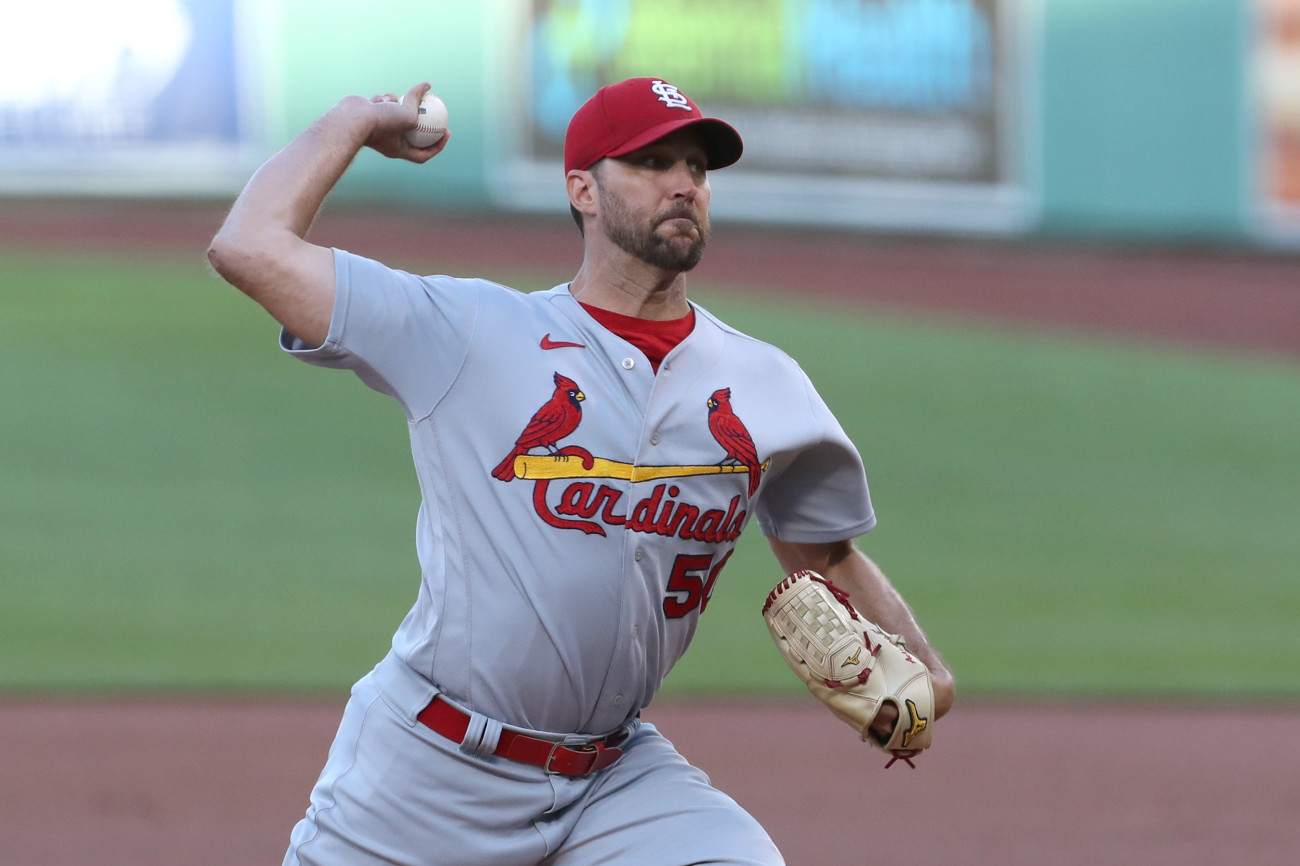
(622, 117)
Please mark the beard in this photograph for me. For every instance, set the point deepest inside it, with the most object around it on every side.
(638, 238)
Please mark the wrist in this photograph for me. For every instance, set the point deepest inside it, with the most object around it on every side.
(352, 118)
(945, 691)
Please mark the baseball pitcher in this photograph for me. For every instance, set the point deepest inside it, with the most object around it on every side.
(587, 458)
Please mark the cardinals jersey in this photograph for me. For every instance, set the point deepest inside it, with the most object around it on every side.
(578, 509)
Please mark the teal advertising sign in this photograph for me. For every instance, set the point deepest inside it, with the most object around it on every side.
(882, 88)
(910, 98)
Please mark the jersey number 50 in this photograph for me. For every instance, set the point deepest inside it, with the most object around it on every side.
(690, 585)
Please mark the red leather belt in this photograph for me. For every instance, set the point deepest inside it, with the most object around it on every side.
(565, 759)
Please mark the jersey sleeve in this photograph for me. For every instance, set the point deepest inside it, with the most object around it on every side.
(403, 335)
(822, 495)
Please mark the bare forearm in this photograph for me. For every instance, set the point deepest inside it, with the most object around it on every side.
(286, 193)
(262, 248)
(873, 594)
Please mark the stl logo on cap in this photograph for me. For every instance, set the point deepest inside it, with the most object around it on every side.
(620, 118)
(670, 95)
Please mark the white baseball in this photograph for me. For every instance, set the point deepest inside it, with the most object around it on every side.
(433, 122)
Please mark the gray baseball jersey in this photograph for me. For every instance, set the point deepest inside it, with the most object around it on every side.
(577, 509)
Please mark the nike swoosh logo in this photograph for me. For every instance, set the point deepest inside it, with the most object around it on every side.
(548, 343)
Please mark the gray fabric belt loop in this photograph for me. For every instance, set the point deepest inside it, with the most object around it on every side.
(482, 735)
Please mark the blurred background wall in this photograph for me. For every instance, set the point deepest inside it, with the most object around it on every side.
(1140, 119)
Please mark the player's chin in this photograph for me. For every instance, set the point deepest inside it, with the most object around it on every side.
(679, 257)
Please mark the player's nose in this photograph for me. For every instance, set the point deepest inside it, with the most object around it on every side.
(683, 181)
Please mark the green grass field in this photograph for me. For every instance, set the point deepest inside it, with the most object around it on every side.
(183, 508)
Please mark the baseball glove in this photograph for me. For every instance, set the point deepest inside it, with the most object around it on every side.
(849, 663)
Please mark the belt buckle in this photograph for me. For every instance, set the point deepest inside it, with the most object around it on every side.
(566, 760)
(580, 760)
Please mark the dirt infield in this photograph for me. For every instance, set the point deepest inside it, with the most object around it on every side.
(206, 781)
(213, 783)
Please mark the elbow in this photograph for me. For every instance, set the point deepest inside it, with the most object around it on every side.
(220, 254)
(230, 259)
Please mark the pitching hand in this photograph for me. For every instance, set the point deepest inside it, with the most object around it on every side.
(393, 118)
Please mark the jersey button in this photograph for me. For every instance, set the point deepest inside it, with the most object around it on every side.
(654, 438)
(628, 363)
(638, 555)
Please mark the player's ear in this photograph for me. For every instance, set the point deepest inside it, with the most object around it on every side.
(581, 186)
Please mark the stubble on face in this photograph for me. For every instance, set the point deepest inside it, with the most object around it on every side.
(637, 237)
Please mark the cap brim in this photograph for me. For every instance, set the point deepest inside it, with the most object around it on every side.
(722, 143)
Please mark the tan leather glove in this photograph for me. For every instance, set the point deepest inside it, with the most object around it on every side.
(849, 663)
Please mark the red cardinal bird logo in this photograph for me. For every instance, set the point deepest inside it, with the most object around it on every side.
(558, 417)
(733, 437)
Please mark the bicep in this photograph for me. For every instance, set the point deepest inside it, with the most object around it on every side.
(290, 277)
